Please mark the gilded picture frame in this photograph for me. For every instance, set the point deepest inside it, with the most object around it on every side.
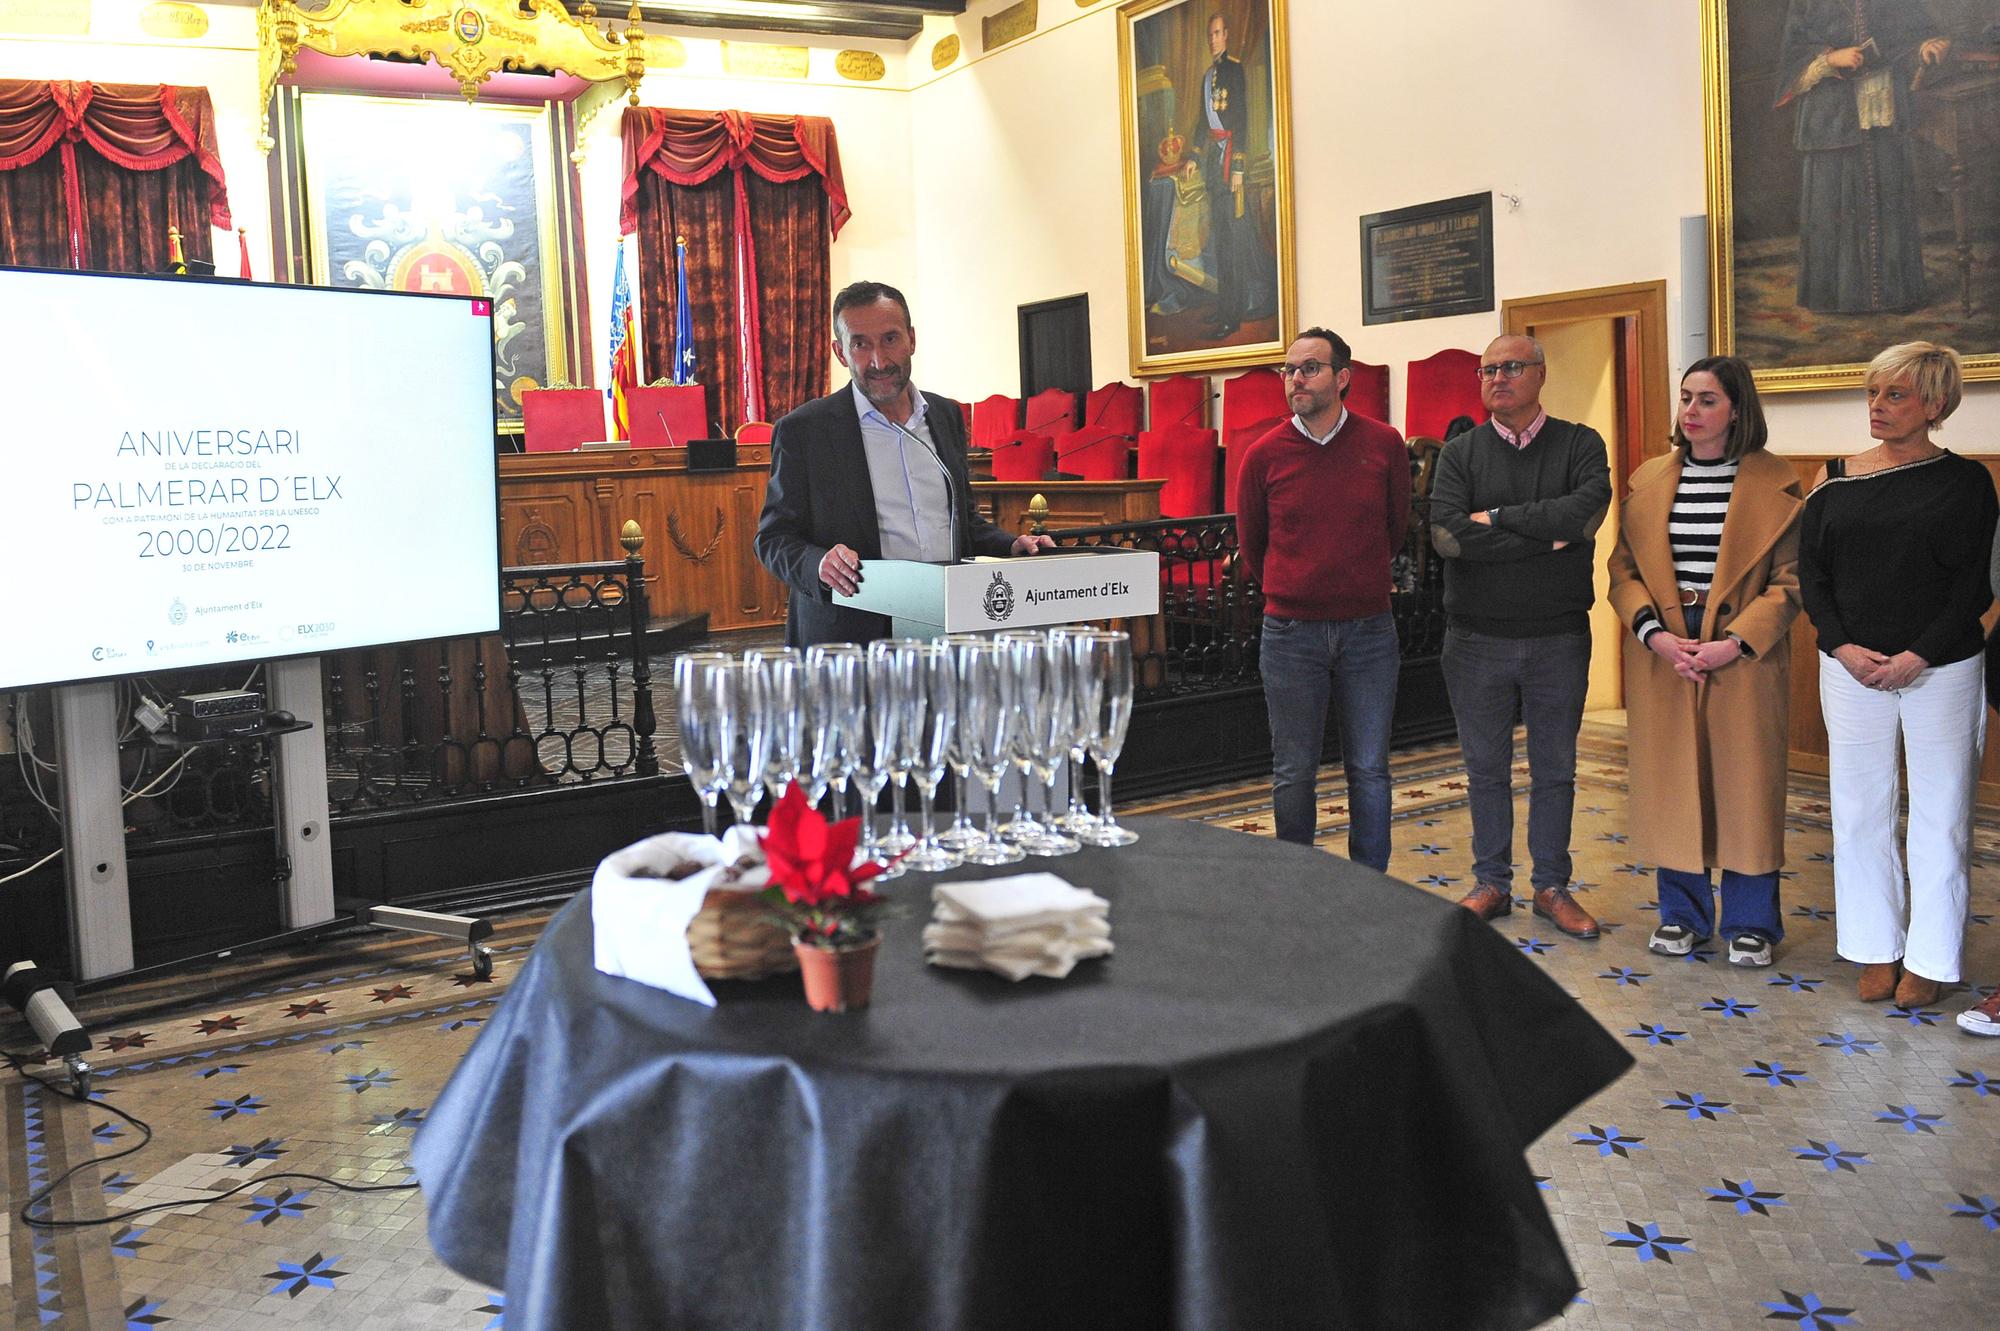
(1851, 197)
(1206, 119)
(467, 203)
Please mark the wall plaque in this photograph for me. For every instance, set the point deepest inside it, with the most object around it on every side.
(859, 66)
(757, 60)
(1431, 260)
(1010, 24)
(665, 52)
(46, 18)
(945, 51)
(181, 22)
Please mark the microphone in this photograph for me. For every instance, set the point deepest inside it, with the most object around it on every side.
(668, 428)
(950, 487)
(1212, 395)
(1101, 439)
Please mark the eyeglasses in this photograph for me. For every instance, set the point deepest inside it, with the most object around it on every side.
(1506, 369)
(1309, 370)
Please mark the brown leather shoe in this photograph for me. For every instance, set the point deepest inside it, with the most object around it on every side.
(1914, 991)
(1559, 908)
(1488, 902)
(1878, 980)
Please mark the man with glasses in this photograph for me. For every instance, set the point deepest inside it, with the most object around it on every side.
(874, 471)
(1515, 504)
(1322, 506)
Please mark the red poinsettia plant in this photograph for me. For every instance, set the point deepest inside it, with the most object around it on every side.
(816, 887)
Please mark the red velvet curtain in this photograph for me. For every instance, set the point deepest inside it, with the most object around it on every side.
(92, 175)
(755, 195)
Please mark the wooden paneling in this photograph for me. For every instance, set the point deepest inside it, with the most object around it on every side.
(1808, 727)
(570, 507)
(1071, 503)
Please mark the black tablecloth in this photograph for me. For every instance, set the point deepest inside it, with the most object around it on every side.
(1296, 1096)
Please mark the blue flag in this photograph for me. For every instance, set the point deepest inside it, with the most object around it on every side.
(683, 317)
(624, 351)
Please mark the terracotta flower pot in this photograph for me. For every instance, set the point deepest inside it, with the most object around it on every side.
(838, 979)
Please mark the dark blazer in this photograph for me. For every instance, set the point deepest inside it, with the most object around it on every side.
(819, 496)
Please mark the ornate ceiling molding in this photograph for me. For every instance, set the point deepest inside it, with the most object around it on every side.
(470, 41)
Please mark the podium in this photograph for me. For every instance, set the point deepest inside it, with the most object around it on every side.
(990, 595)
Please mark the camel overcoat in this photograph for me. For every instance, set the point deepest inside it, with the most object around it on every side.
(1708, 760)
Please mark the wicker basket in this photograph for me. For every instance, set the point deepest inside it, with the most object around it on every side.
(733, 938)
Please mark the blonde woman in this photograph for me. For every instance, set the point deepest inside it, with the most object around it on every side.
(1705, 574)
(1893, 570)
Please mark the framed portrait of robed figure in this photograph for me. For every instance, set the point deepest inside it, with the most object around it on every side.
(1853, 182)
(1208, 183)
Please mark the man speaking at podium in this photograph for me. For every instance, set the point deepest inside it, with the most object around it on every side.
(874, 471)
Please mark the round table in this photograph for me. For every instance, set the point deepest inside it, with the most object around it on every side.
(1298, 1094)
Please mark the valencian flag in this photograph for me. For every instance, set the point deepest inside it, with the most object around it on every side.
(683, 316)
(624, 351)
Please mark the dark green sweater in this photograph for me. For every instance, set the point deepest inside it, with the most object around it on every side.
(1508, 579)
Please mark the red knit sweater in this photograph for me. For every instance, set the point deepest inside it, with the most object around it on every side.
(1318, 524)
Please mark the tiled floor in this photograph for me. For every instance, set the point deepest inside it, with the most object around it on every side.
(1783, 1155)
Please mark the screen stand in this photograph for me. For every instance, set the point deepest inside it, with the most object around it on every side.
(93, 818)
(299, 811)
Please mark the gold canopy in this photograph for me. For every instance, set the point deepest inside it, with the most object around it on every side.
(472, 42)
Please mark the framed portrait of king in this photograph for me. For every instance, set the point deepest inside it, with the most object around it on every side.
(1205, 102)
(1853, 182)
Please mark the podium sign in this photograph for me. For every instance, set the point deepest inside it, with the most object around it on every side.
(988, 595)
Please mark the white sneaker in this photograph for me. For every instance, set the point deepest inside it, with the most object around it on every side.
(1673, 940)
(1984, 1019)
(1749, 950)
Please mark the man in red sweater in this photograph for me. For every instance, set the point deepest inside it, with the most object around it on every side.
(1322, 505)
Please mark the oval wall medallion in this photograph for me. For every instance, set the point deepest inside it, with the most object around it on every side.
(945, 51)
(859, 66)
(173, 20)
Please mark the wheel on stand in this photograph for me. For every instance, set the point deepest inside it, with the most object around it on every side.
(79, 1076)
(482, 961)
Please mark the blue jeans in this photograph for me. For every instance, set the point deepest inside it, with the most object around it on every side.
(1749, 903)
(1355, 661)
(1543, 680)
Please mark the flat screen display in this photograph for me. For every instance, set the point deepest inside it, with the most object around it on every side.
(199, 472)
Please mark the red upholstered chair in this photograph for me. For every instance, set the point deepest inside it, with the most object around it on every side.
(994, 419)
(1438, 388)
(754, 432)
(1368, 391)
(1051, 411)
(1233, 453)
(1249, 399)
(557, 420)
(1119, 407)
(1023, 456)
(1096, 453)
(1181, 399)
(1184, 456)
(668, 415)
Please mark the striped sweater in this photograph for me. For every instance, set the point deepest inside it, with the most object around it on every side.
(1694, 528)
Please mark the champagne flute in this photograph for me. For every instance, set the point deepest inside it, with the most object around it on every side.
(875, 749)
(1063, 638)
(1048, 747)
(986, 722)
(961, 834)
(1027, 652)
(1107, 657)
(933, 716)
(741, 697)
(842, 695)
(696, 723)
(784, 681)
(899, 657)
(821, 759)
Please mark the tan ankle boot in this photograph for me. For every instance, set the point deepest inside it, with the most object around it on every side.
(1878, 980)
(1915, 991)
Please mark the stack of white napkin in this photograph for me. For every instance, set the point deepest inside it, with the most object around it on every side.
(1030, 924)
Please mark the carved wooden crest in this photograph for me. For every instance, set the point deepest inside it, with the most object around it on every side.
(681, 543)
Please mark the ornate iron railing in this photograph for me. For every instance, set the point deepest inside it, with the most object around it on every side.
(561, 695)
(1205, 636)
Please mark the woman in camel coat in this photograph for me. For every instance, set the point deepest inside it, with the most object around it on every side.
(1710, 601)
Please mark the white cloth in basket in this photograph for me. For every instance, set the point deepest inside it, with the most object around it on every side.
(639, 916)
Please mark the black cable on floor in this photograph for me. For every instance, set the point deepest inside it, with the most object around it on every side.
(19, 1063)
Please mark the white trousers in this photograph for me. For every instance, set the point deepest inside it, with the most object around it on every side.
(1940, 721)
